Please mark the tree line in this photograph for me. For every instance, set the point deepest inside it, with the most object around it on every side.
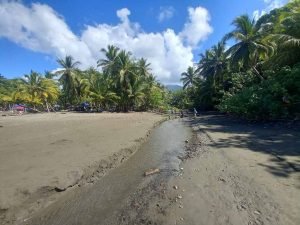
(124, 83)
(258, 77)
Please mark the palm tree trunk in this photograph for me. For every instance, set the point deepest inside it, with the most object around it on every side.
(258, 73)
(47, 107)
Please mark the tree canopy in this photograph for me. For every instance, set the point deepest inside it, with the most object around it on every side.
(120, 83)
(258, 75)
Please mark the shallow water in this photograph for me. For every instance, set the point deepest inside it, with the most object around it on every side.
(94, 204)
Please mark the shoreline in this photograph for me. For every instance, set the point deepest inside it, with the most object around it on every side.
(46, 195)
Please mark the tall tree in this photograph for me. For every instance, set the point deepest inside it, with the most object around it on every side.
(108, 64)
(68, 74)
(37, 90)
(287, 35)
(213, 62)
(143, 67)
(189, 77)
(249, 48)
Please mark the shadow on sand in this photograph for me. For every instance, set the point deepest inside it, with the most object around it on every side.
(280, 140)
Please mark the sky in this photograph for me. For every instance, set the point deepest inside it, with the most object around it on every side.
(170, 34)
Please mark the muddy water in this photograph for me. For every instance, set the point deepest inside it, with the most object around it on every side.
(95, 204)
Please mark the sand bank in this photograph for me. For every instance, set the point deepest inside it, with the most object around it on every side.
(56, 151)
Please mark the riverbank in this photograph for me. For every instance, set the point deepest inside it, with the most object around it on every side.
(43, 155)
(234, 172)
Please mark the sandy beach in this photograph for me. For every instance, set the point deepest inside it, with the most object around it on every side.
(52, 152)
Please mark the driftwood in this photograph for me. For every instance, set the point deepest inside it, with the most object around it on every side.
(151, 171)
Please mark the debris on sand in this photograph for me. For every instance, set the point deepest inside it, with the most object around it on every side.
(186, 141)
(175, 187)
(179, 197)
(221, 179)
(257, 212)
(151, 171)
(59, 189)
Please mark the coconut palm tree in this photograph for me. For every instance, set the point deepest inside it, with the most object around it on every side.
(143, 67)
(37, 90)
(249, 47)
(126, 76)
(49, 92)
(68, 74)
(287, 35)
(49, 75)
(100, 91)
(213, 62)
(109, 63)
(189, 77)
(137, 93)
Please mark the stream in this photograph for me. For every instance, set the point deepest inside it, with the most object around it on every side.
(93, 204)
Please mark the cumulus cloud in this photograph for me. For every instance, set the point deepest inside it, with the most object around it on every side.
(166, 13)
(39, 28)
(197, 28)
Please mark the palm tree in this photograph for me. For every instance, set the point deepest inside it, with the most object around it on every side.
(31, 87)
(136, 93)
(68, 74)
(126, 76)
(49, 92)
(287, 35)
(49, 75)
(100, 90)
(189, 77)
(143, 67)
(214, 62)
(249, 47)
(37, 90)
(109, 64)
(81, 88)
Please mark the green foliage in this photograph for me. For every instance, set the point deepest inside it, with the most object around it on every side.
(36, 91)
(125, 84)
(253, 78)
(181, 99)
(276, 97)
(7, 87)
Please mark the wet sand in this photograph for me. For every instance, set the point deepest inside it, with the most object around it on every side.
(100, 203)
(234, 172)
(45, 153)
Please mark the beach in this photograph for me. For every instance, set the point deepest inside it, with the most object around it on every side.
(50, 153)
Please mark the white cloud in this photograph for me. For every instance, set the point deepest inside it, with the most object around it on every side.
(39, 28)
(272, 4)
(166, 13)
(197, 28)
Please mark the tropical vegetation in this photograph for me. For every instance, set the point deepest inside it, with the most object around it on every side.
(120, 83)
(258, 76)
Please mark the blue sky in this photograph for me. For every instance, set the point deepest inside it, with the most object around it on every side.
(170, 34)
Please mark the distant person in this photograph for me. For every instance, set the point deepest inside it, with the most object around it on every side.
(195, 112)
(181, 114)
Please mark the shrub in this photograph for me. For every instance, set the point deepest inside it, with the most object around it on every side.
(276, 97)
